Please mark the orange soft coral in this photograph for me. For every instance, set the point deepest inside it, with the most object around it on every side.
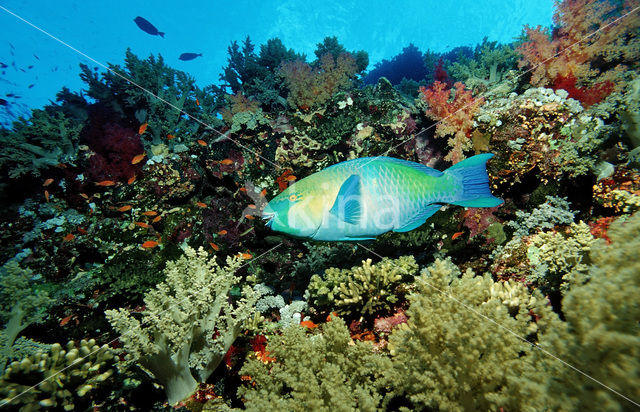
(454, 117)
(594, 41)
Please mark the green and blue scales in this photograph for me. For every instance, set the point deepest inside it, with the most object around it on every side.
(362, 198)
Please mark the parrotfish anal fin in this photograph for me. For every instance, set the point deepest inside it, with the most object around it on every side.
(347, 206)
(419, 219)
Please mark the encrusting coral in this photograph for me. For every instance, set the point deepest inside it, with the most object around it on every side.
(62, 377)
(189, 323)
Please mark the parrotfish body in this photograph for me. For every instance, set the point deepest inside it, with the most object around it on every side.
(362, 198)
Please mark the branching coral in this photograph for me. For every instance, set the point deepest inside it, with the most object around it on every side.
(47, 139)
(189, 323)
(601, 336)
(366, 289)
(22, 303)
(62, 377)
(321, 372)
(590, 40)
(459, 350)
(454, 115)
(310, 87)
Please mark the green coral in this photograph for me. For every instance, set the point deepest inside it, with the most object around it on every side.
(189, 323)
(321, 372)
(22, 302)
(366, 289)
(601, 336)
(460, 348)
(57, 379)
(46, 139)
(488, 66)
(552, 255)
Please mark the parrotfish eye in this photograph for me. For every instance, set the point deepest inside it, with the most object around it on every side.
(294, 198)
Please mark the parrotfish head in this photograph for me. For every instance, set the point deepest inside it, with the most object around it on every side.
(296, 211)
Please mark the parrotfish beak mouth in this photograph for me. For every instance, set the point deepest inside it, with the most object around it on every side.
(268, 216)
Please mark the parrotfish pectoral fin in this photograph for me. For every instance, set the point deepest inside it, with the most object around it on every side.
(419, 219)
(347, 206)
(475, 182)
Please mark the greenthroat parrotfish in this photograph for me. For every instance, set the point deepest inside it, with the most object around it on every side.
(362, 198)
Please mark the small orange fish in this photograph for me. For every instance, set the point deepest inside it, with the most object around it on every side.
(149, 244)
(106, 183)
(226, 162)
(197, 102)
(201, 142)
(84, 196)
(308, 324)
(263, 192)
(290, 178)
(243, 189)
(201, 204)
(250, 217)
(150, 213)
(131, 179)
(69, 237)
(456, 235)
(142, 225)
(143, 128)
(222, 232)
(47, 182)
(137, 159)
(251, 206)
(46, 195)
(170, 136)
(124, 208)
(65, 320)
(244, 255)
(332, 314)
(82, 231)
(214, 246)
(156, 219)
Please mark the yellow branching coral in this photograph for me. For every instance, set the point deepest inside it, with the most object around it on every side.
(601, 335)
(460, 349)
(189, 322)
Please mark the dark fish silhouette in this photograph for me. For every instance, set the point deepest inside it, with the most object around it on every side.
(147, 27)
(3, 102)
(3, 66)
(189, 56)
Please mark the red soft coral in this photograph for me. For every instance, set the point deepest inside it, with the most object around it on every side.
(594, 41)
(454, 116)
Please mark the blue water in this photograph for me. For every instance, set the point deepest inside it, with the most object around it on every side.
(104, 30)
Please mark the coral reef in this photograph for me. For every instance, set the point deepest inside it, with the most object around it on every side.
(189, 323)
(57, 379)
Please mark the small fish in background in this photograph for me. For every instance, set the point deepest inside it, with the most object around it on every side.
(189, 56)
(147, 27)
(3, 102)
(3, 66)
(143, 128)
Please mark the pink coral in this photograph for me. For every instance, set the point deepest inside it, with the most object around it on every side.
(454, 115)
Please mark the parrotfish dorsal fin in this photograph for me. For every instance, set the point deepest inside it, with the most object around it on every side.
(347, 206)
(419, 219)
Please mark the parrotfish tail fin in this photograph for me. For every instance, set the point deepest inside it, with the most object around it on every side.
(161, 34)
(475, 182)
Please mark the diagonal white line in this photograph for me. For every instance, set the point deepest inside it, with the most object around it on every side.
(136, 85)
(546, 352)
(5, 402)
(373, 158)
